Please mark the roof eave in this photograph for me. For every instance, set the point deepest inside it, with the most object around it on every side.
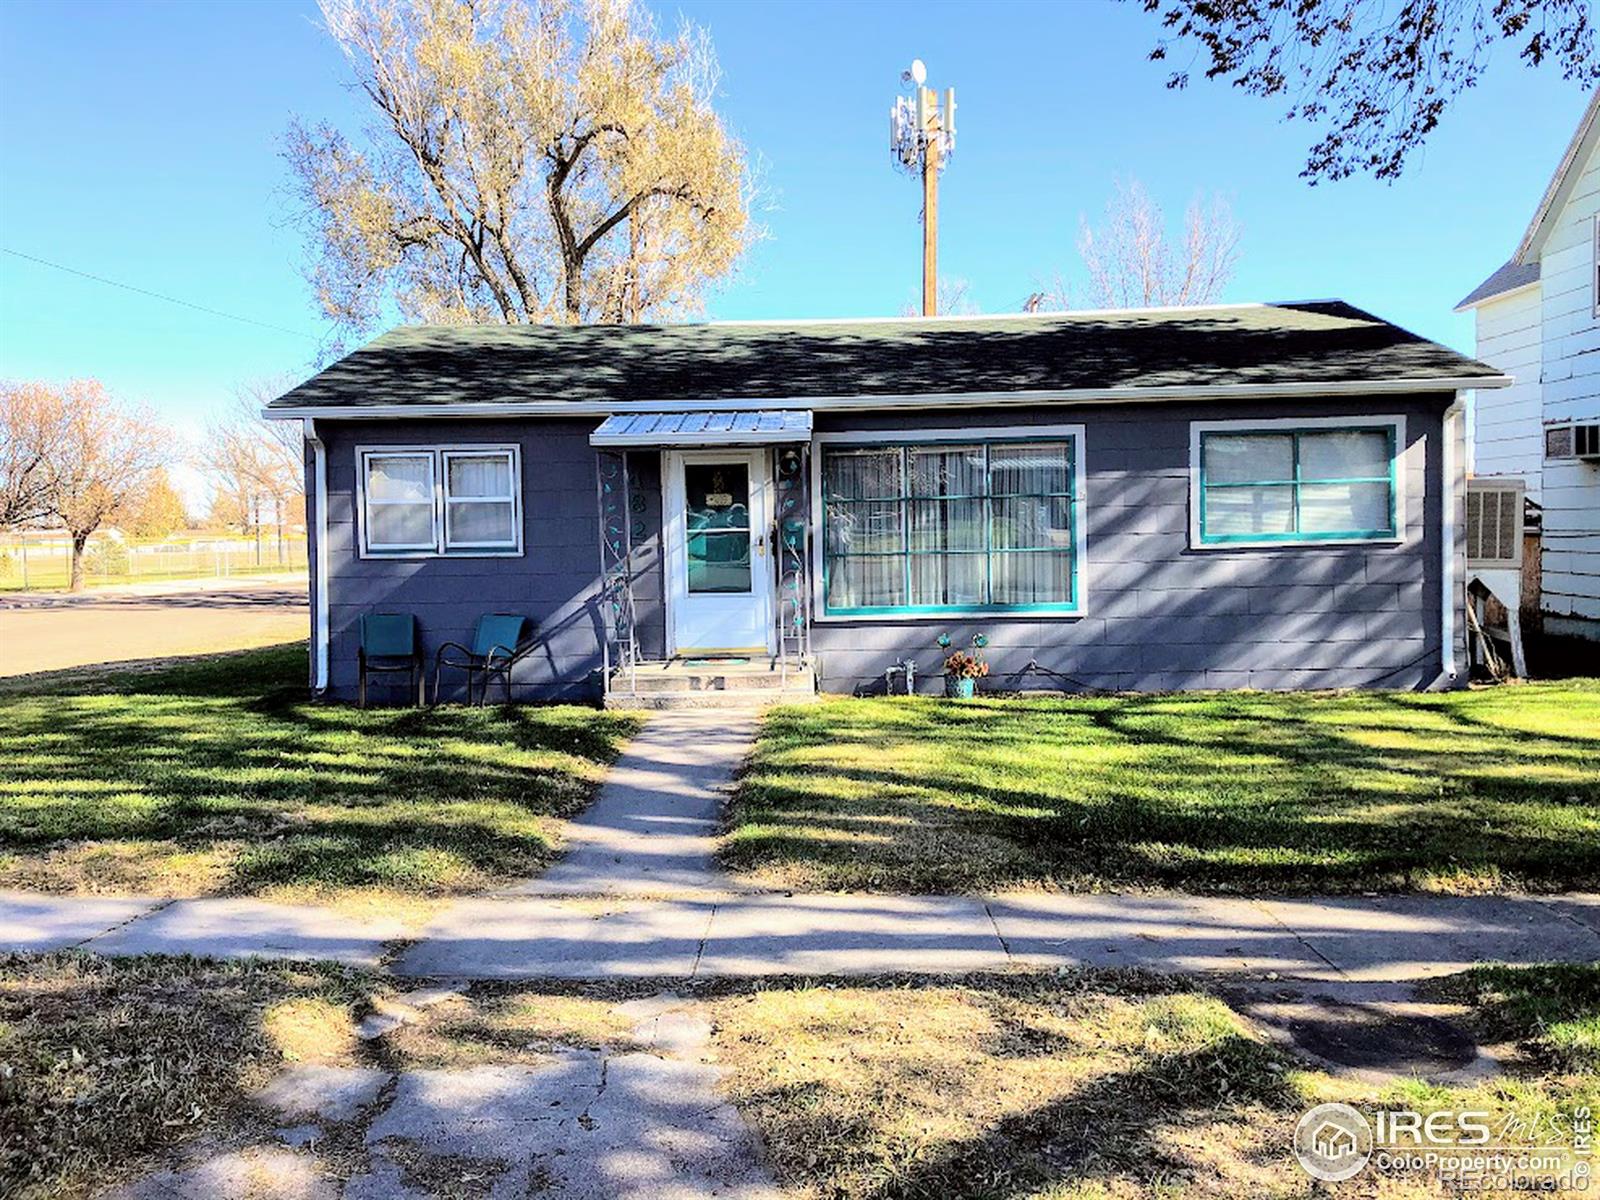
(1553, 199)
(1473, 302)
(919, 400)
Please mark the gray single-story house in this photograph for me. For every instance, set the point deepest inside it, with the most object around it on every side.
(1254, 495)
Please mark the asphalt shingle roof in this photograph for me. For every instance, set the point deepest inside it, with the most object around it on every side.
(1508, 277)
(640, 365)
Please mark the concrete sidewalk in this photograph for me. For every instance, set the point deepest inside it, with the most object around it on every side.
(639, 895)
(1355, 939)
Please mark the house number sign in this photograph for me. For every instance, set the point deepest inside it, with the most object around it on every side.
(718, 498)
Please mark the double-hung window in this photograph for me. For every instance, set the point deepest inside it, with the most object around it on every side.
(960, 526)
(423, 501)
(1275, 483)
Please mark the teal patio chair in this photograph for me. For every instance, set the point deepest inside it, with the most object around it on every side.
(499, 642)
(389, 646)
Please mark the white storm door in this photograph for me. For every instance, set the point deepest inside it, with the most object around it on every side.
(719, 563)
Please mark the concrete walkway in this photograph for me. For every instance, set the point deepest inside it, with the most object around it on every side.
(653, 829)
(644, 1123)
(1374, 939)
(639, 895)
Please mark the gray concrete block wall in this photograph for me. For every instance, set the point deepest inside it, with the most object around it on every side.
(1161, 615)
(555, 580)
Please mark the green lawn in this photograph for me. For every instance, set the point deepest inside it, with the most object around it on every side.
(218, 777)
(1486, 790)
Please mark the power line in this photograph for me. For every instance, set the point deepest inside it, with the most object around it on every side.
(128, 287)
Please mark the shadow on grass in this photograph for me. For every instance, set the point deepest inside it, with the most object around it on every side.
(226, 757)
(1552, 1011)
(1024, 1084)
(1238, 792)
(110, 1063)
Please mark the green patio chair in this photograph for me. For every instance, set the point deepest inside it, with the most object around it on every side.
(389, 646)
(499, 642)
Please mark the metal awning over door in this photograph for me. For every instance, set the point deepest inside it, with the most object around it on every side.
(677, 430)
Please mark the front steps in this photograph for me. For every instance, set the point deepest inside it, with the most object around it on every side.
(710, 683)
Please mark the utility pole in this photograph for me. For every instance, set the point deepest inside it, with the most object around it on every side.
(922, 136)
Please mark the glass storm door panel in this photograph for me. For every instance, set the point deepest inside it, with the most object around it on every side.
(716, 515)
(719, 562)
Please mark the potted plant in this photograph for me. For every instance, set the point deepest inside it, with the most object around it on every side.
(963, 669)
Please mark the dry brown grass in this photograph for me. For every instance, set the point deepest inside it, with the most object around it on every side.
(1064, 1085)
(507, 1026)
(106, 1063)
(1070, 1086)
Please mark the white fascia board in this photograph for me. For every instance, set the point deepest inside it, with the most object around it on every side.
(1497, 296)
(919, 400)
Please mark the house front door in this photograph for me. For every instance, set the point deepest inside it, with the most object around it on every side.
(719, 561)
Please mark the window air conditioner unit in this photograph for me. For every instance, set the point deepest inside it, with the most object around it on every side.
(1494, 523)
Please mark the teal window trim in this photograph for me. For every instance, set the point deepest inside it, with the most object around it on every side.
(1296, 482)
(905, 499)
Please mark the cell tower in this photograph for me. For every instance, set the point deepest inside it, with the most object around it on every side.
(922, 137)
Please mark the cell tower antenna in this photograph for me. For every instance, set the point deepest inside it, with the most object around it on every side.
(922, 137)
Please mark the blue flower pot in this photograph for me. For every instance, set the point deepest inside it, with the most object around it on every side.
(959, 689)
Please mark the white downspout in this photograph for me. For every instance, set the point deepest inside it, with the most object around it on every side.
(319, 599)
(1447, 533)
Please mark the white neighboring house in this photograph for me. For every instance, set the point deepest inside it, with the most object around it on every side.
(1538, 319)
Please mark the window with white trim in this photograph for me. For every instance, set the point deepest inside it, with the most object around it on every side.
(1594, 267)
(1314, 484)
(933, 527)
(421, 501)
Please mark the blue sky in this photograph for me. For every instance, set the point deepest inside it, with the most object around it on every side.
(139, 141)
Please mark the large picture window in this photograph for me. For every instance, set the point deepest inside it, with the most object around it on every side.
(422, 501)
(1313, 484)
(970, 526)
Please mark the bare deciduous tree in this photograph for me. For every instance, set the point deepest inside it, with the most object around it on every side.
(256, 466)
(1132, 263)
(531, 160)
(954, 300)
(31, 417)
(1380, 76)
(101, 460)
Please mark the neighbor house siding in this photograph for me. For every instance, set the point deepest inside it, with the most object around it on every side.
(1570, 559)
(554, 581)
(1160, 614)
(1548, 338)
(1507, 434)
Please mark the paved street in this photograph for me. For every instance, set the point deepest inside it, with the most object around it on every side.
(52, 631)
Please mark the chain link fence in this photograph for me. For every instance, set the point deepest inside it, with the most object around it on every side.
(42, 562)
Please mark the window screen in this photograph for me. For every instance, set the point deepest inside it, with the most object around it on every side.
(968, 526)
